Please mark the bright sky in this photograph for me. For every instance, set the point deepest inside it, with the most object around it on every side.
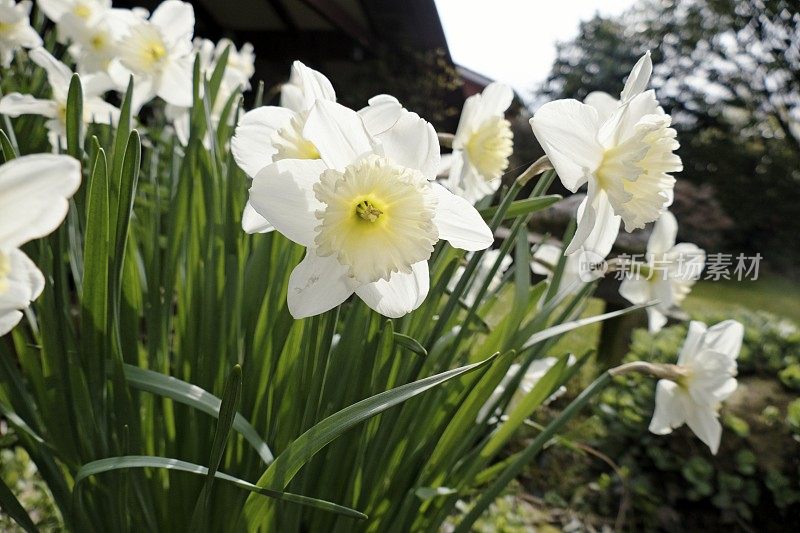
(514, 40)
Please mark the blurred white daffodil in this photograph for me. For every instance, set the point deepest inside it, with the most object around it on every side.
(15, 30)
(544, 260)
(704, 378)
(482, 144)
(625, 154)
(270, 133)
(33, 202)
(238, 71)
(366, 210)
(81, 14)
(668, 274)
(95, 109)
(532, 376)
(96, 45)
(480, 275)
(158, 52)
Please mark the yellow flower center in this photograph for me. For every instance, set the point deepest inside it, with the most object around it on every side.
(155, 51)
(367, 211)
(5, 27)
(82, 11)
(290, 143)
(377, 219)
(5, 270)
(489, 147)
(98, 41)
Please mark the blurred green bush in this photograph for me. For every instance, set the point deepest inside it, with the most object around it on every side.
(675, 483)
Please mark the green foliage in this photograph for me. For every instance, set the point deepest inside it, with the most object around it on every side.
(120, 387)
(754, 480)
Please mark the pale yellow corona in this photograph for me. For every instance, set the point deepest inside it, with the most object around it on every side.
(375, 206)
(289, 142)
(5, 270)
(489, 147)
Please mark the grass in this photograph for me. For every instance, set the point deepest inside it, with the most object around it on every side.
(772, 293)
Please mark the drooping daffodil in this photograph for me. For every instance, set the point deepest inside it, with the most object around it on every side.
(271, 133)
(33, 202)
(367, 210)
(703, 378)
(482, 144)
(668, 274)
(15, 30)
(95, 108)
(158, 52)
(625, 154)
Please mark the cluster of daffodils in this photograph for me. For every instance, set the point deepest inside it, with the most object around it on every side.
(358, 189)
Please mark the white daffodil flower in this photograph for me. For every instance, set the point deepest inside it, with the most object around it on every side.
(33, 202)
(532, 376)
(158, 52)
(480, 275)
(15, 30)
(625, 156)
(269, 133)
(366, 210)
(482, 144)
(95, 109)
(238, 71)
(668, 274)
(95, 46)
(707, 370)
(83, 14)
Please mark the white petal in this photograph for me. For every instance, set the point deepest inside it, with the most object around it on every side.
(665, 230)
(549, 254)
(23, 284)
(338, 133)
(606, 226)
(406, 139)
(283, 193)
(656, 320)
(693, 343)
(175, 19)
(446, 162)
(99, 111)
(251, 145)
(459, 222)
(54, 9)
(587, 217)
(58, 74)
(604, 103)
(316, 285)
(400, 295)
(28, 38)
(175, 84)
(668, 413)
(496, 98)
(305, 87)
(638, 78)
(8, 320)
(636, 291)
(33, 196)
(567, 131)
(252, 222)
(704, 424)
(16, 104)
(725, 337)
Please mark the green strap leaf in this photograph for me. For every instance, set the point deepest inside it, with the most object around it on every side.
(74, 118)
(8, 149)
(520, 208)
(302, 449)
(11, 506)
(409, 343)
(227, 413)
(194, 396)
(147, 461)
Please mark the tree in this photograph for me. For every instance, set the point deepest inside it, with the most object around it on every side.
(728, 71)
